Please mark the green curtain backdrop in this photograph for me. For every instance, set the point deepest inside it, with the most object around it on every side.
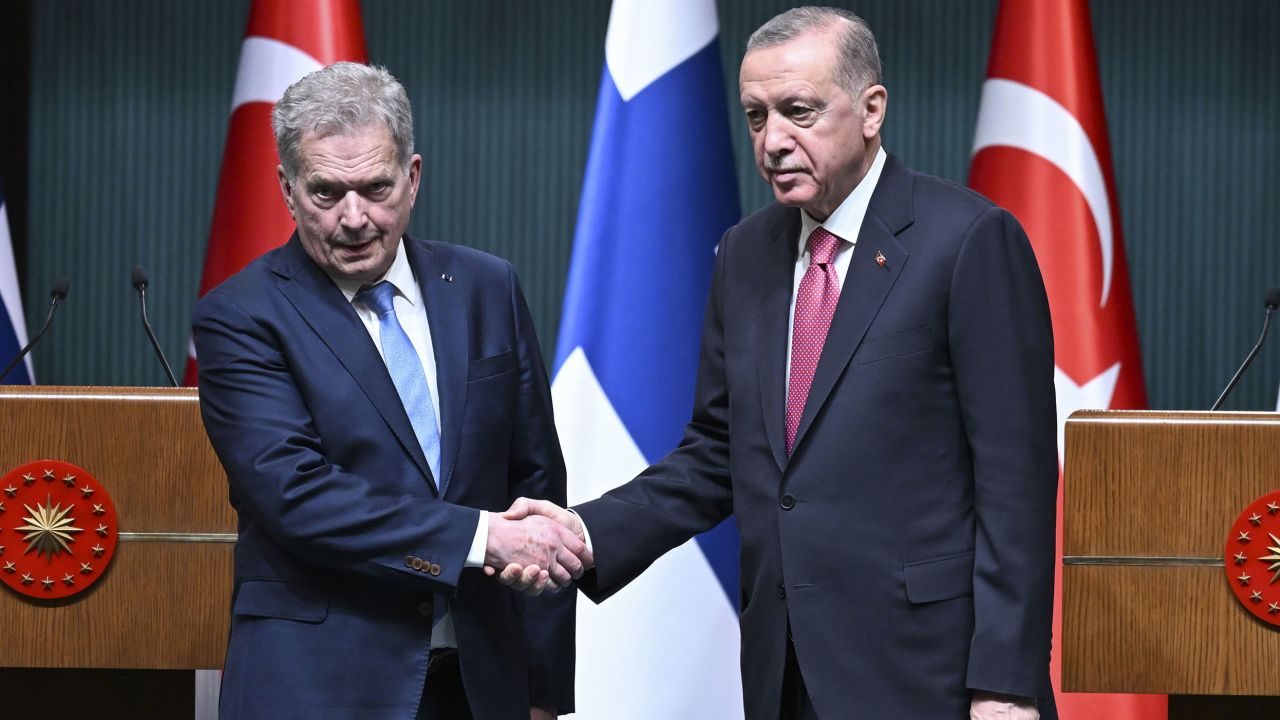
(127, 113)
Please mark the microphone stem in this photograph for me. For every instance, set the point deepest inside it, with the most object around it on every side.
(155, 344)
(1266, 322)
(53, 305)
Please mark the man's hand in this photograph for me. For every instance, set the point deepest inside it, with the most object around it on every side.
(994, 706)
(524, 507)
(537, 553)
(541, 714)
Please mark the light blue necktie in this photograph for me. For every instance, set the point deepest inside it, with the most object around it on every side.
(406, 372)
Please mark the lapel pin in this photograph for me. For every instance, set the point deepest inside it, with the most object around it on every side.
(446, 277)
(880, 259)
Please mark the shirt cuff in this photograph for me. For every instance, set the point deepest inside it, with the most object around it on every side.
(586, 536)
(475, 556)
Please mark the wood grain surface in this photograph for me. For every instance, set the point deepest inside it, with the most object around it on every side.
(160, 604)
(1167, 485)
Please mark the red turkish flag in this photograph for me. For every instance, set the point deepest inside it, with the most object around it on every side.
(1041, 151)
(285, 40)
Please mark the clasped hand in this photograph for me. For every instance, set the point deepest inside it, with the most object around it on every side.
(536, 545)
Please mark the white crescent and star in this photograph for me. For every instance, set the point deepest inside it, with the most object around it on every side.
(1012, 114)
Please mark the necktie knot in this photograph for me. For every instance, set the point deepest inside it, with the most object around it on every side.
(822, 246)
(378, 297)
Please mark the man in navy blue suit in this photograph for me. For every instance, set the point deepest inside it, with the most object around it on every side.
(875, 404)
(372, 397)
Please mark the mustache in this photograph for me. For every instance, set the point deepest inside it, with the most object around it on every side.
(782, 164)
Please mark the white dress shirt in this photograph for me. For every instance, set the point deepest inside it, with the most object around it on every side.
(411, 311)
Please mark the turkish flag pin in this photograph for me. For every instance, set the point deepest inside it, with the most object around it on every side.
(880, 259)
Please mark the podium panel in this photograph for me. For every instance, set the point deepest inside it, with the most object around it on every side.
(164, 602)
(1148, 499)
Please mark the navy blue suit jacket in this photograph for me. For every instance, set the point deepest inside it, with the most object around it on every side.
(331, 616)
(908, 540)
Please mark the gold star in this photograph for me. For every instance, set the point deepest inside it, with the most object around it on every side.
(98, 509)
(48, 582)
(101, 530)
(48, 475)
(1272, 508)
(48, 529)
(11, 491)
(86, 568)
(1244, 536)
(1256, 519)
(1273, 608)
(1274, 557)
(1, 507)
(27, 579)
(10, 568)
(28, 478)
(1244, 579)
(69, 579)
(86, 491)
(98, 550)
(1256, 596)
(70, 480)
(1, 549)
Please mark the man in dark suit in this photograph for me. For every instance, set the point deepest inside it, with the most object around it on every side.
(371, 396)
(875, 403)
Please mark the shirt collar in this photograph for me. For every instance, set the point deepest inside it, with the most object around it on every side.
(846, 221)
(400, 275)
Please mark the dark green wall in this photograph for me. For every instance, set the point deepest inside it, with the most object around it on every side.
(128, 107)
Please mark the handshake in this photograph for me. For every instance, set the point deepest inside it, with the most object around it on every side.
(536, 545)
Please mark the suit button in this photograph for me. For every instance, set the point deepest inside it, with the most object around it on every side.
(416, 563)
(408, 562)
(782, 592)
(424, 609)
(788, 501)
(435, 569)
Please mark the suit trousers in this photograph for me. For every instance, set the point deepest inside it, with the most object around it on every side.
(443, 697)
(795, 698)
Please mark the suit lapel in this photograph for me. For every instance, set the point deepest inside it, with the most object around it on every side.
(326, 310)
(775, 302)
(866, 285)
(450, 327)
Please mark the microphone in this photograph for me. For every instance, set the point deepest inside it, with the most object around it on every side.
(1271, 302)
(139, 278)
(58, 293)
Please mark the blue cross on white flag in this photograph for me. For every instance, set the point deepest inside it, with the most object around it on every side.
(659, 192)
(13, 326)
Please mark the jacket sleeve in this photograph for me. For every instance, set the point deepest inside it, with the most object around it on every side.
(261, 428)
(685, 493)
(1001, 344)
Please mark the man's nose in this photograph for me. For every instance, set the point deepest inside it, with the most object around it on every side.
(353, 210)
(777, 137)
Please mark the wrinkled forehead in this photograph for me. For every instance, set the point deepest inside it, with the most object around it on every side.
(808, 58)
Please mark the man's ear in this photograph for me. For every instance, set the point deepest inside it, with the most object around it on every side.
(286, 188)
(873, 102)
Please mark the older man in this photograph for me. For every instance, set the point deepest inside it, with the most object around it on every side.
(371, 396)
(875, 402)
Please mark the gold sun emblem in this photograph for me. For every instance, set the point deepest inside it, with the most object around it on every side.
(1273, 558)
(49, 529)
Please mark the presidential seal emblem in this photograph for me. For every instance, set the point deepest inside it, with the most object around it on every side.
(1253, 558)
(58, 529)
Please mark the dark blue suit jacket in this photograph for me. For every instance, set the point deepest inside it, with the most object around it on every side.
(331, 615)
(908, 540)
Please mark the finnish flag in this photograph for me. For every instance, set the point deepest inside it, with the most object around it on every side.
(13, 326)
(659, 192)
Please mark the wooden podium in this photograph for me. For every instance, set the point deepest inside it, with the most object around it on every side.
(1149, 498)
(164, 602)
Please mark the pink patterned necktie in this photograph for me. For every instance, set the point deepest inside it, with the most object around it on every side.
(815, 304)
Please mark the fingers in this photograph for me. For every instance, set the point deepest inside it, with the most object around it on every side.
(524, 507)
